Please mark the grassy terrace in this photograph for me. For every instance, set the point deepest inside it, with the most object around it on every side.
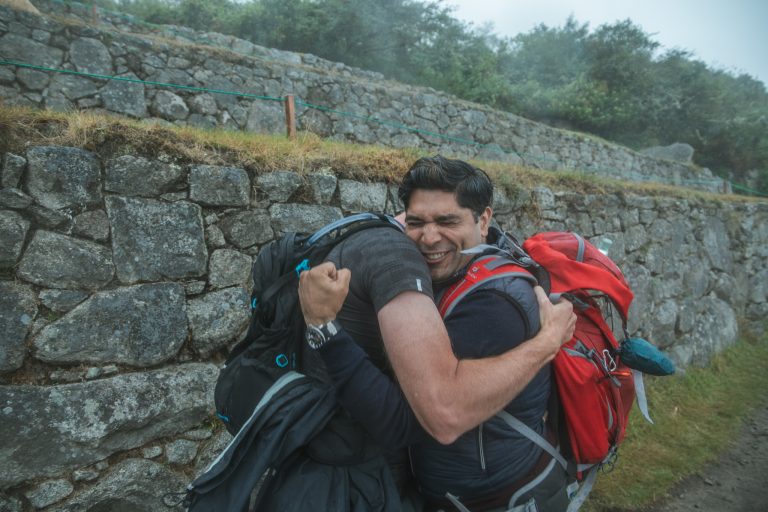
(110, 136)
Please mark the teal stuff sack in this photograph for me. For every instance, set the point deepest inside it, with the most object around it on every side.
(641, 355)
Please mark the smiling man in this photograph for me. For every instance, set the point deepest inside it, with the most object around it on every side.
(448, 210)
(479, 458)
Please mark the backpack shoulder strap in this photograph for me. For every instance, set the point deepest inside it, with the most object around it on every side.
(480, 272)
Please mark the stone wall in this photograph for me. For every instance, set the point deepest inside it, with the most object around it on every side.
(122, 281)
(334, 100)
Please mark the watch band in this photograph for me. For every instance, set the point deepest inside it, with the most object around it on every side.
(318, 335)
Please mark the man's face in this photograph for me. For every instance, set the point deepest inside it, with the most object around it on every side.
(442, 229)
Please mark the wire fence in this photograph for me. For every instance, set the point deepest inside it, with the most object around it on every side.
(537, 160)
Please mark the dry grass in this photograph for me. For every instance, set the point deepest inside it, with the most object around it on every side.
(110, 136)
(21, 5)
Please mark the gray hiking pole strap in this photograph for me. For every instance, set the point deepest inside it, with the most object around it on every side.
(642, 401)
(531, 434)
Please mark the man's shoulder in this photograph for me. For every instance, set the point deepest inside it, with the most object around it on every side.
(375, 247)
(384, 263)
(379, 235)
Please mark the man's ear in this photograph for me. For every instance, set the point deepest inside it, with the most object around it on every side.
(485, 221)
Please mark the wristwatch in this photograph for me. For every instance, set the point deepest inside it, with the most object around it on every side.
(318, 335)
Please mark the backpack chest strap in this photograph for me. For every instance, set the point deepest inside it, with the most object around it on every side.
(481, 272)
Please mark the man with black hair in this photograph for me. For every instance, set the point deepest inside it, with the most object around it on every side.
(448, 389)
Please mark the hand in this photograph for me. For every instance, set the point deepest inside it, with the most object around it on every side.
(322, 291)
(558, 321)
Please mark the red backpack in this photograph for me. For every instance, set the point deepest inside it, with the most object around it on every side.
(595, 389)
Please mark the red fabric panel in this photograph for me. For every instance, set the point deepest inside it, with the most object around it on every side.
(554, 251)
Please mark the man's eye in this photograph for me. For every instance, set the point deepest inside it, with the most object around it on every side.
(414, 223)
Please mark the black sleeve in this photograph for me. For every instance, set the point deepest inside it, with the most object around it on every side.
(371, 397)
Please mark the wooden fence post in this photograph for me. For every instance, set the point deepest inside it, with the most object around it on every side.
(290, 116)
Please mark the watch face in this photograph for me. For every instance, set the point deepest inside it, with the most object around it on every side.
(315, 337)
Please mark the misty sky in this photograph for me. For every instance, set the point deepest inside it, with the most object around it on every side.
(725, 34)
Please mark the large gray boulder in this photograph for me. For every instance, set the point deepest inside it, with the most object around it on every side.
(90, 56)
(715, 329)
(153, 240)
(266, 117)
(219, 186)
(125, 96)
(72, 87)
(362, 197)
(245, 229)
(229, 268)
(29, 51)
(61, 177)
(13, 169)
(323, 186)
(717, 245)
(302, 217)
(218, 318)
(18, 309)
(51, 429)
(59, 261)
(678, 152)
(141, 325)
(13, 232)
(137, 176)
(170, 106)
(279, 186)
(92, 224)
(135, 485)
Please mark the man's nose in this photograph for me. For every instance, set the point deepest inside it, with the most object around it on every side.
(430, 234)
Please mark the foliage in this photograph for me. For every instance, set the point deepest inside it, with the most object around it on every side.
(611, 81)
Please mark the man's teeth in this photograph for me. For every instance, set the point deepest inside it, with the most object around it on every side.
(435, 256)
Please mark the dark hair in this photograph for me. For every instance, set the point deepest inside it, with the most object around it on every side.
(471, 186)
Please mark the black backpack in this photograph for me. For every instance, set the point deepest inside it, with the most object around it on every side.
(272, 345)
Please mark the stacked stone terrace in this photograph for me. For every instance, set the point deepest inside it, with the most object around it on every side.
(353, 105)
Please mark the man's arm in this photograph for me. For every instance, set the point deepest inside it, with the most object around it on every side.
(448, 396)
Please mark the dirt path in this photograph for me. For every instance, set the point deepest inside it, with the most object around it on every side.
(736, 482)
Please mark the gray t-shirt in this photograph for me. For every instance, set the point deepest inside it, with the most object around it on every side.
(384, 263)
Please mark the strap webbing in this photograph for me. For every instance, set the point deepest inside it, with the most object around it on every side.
(580, 497)
(642, 401)
(580, 251)
(456, 503)
(531, 434)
